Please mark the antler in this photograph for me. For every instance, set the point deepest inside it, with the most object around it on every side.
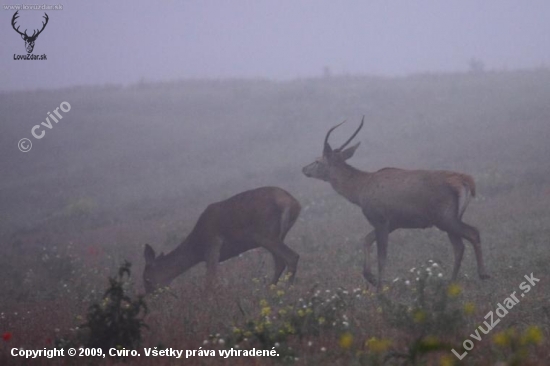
(43, 26)
(328, 149)
(13, 19)
(34, 34)
(326, 146)
(352, 136)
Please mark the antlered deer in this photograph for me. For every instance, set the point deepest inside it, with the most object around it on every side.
(29, 40)
(257, 218)
(394, 198)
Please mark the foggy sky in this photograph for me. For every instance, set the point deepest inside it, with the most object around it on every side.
(124, 42)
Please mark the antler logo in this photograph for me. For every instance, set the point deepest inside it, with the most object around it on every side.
(29, 40)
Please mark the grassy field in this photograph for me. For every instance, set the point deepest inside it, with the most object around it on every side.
(133, 165)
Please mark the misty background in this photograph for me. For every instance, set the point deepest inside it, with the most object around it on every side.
(124, 42)
(180, 104)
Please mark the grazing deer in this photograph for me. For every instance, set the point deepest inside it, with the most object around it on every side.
(257, 218)
(394, 198)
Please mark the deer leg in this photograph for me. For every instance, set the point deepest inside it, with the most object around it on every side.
(458, 247)
(471, 234)
(291, 258)
(283, 257)
(280, 266)
(212, 261)
(381, 233)
(367, 273)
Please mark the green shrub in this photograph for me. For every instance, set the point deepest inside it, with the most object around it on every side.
(117, 321)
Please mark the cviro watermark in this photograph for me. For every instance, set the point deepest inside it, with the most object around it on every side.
(25, 144)
(501, 311)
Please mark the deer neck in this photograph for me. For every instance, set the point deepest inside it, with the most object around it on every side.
(179, 260)
(347, 181)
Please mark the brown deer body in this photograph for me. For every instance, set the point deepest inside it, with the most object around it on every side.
(257, 218)
(395, 198)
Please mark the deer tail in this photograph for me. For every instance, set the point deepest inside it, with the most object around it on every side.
(465, 188)
(290, 211)
(285, 218)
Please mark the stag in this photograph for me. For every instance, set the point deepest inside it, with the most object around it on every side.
(29, 40)
(257, 218)
(393, 198)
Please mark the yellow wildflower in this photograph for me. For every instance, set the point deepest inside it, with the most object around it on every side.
(469, 308)
(419, 316)
(378, 345)
(263, 303)
(532, 335)
(289, 328)
(266, 310)
(446, 361)
(454, 290)
(321, 320)
(501, 339)
(346, 340)
(280, 293)
(430, 341)
(301, 313)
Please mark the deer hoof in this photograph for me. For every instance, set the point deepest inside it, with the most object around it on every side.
(370, 278)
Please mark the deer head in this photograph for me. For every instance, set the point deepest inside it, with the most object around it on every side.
(29, 40)
(320, 168)
(153, 276)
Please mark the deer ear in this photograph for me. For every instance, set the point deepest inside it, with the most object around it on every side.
(348, 153)
(149, 254)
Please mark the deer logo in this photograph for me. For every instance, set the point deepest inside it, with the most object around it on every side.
(29, 40)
